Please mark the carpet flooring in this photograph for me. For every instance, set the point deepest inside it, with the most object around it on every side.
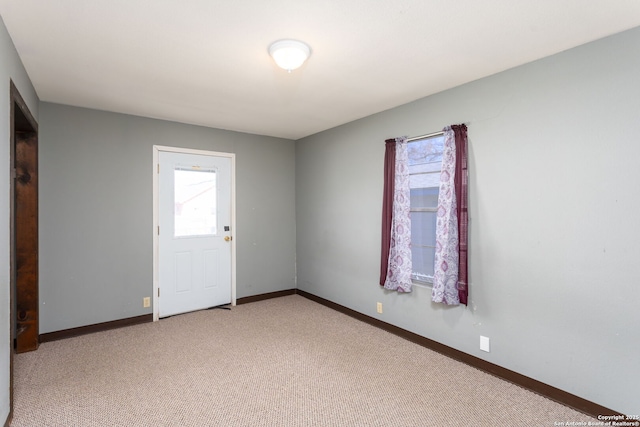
(282, 362)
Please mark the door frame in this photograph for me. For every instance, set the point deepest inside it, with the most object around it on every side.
(23, 214)
(156, 217)
(21, 121)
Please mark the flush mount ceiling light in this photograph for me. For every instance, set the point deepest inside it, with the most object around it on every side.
(289, 54)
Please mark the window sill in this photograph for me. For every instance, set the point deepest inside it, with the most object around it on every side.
(422, 284)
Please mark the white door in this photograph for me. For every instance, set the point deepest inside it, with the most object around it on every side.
(194, 243)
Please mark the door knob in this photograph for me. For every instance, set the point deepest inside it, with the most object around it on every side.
(227, 238)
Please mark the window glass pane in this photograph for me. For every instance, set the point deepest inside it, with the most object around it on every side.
(195, 202)
(424, 179)
(423, 228)
(423, 259)
(424, 197)
(423, 237)
(424, 151)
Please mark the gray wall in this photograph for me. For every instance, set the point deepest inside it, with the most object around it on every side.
(10, 69)
(96, 211)
(554, 230)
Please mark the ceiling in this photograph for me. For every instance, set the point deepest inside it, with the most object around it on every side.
(205, 62)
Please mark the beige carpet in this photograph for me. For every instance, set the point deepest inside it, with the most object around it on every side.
(281, 362)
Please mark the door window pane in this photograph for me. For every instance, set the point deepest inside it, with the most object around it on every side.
(195, 202)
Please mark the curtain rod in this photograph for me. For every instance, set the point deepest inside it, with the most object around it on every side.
(429, 135)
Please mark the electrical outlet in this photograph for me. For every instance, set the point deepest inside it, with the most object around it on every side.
(146, 302)
(484, 344)
(379, 307)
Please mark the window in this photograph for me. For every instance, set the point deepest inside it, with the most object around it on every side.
(425, 160)
(195, 202)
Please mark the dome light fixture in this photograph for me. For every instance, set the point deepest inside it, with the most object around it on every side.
(289, 54)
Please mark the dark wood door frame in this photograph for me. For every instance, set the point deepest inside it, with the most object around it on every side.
(23, 214)
(24, 224)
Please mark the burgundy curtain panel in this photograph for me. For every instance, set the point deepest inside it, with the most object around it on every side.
(387, 205)
(461, 185)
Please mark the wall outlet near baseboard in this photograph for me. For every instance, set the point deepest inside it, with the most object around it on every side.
(146, 302)
(484, 344)
(379, 307)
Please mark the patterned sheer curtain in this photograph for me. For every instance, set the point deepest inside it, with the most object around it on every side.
(450, 275)
(395, 265)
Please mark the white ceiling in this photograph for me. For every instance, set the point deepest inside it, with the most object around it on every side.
(205, 62)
